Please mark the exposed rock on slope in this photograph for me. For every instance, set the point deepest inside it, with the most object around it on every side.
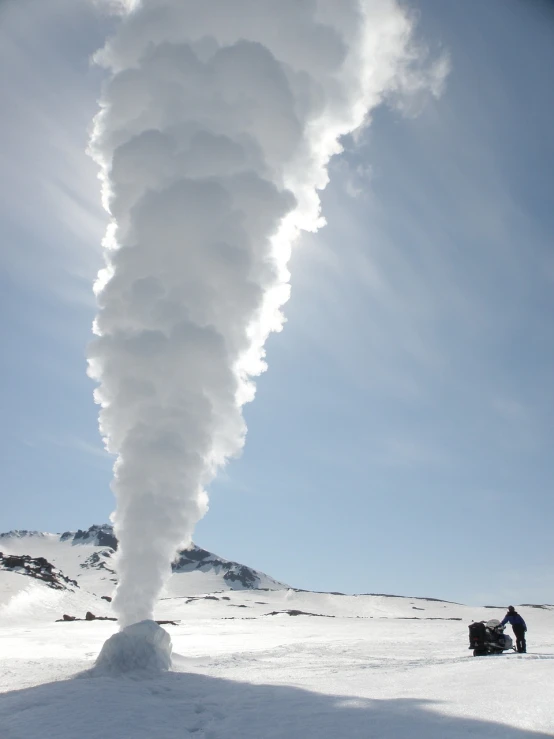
(37, 567)
(97, 536)
(87, 555)
(235, 574)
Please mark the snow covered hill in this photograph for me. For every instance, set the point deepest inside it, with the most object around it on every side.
(86, 556)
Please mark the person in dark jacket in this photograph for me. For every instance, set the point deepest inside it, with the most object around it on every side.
(518, 625)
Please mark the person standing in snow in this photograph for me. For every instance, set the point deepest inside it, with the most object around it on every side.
(518, 625)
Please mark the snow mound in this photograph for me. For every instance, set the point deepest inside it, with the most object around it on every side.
(142, 647)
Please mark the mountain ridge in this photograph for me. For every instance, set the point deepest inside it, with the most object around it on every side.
(96, 569)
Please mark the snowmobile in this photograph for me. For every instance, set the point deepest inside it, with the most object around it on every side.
(488, 637)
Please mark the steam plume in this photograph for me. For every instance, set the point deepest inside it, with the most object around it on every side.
(216, 126)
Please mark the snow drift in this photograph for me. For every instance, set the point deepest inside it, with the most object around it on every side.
(217, 123)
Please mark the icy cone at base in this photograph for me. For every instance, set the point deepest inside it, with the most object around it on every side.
(143, 647)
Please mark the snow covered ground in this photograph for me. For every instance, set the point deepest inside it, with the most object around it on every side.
(375, 667)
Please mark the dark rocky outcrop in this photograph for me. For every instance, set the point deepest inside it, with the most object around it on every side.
(195, 554)
(424, 618)
(544, 606)
(412, 597)
(97, 560)
(89, 616)
(37, 567)
(244, 575)
(236, 574)
(295, 612)
(200, 597)
(99, 535)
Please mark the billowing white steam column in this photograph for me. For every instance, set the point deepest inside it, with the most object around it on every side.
(216, 126)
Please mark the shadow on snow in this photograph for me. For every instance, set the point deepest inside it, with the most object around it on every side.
(181, 705)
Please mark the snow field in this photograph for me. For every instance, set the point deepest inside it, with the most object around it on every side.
(240, 674)
(371, 667)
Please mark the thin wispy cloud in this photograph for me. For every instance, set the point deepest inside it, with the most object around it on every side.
(49, 202)
(94, 450)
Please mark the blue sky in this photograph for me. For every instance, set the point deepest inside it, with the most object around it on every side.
(401, 439)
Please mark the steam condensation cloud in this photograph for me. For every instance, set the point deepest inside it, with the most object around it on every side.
(217, 123)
